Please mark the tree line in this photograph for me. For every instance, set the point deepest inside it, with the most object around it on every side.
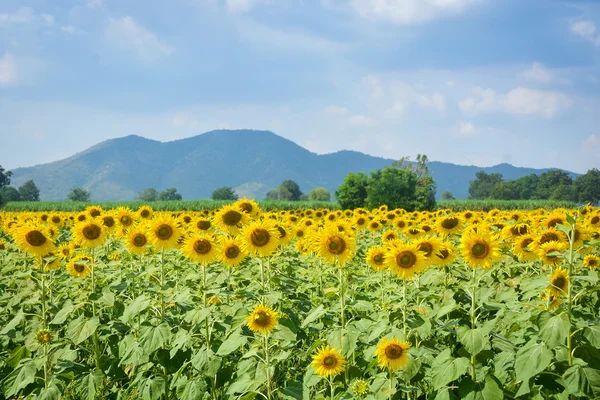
(551, 185)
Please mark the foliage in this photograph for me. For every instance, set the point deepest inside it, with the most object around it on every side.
(149, 194)
(169, 194)
(393, 187)
(4, 181)
(448, 196)
(28, 191)
(588, 187)
(487, 205)
(483, 185)
(426, 187)
(353, 191)
(319, 194)
(79, 194)
(8, 194)
(224, 193)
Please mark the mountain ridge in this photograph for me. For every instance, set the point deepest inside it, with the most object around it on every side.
(253, 161)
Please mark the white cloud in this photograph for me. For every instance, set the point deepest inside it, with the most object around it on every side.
(360, 120)
(467, 128)
(335, 110)
(587, 30)
(21, 16)
(68, 28)
(127, 34)
(520, 101)
(95, 3)
(8, 70)
(408, 12)
(591, 144)
(239, 6)
(47, 18)
(538, 73)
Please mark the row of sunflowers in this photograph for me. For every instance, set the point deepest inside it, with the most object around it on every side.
(241, 303)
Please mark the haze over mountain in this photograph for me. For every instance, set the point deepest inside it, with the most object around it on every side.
(253, 162)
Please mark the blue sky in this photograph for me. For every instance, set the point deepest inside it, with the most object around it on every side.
(475, 82)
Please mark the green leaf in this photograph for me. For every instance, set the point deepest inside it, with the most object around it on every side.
(592, 334)
(13, 322)
(64, 312)
(486, 390)
(284, 333)
(293, 391)
(314, 315)
(582, 381)
(138, 305)
(153, 338)
(553, 329)
(80, 329)
(474, 340)
(232, 343)
(446, 368)
(532, 359)
(89, 385)
(194, 390)
(18, 379)
(448, 307)
(152, 388)
(17, 355)
(52, 392)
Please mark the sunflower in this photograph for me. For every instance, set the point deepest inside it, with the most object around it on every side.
(145, 212)
(202, 223)
(389, 235)
(284, 236)
(430, 246)
(446, 254)
(79, 266)
(333, 245)
(405, 259)
(480, 249)
(124, 217)
(591, 261)
(34, 239)
(88, 234)
(414, 232)
(328, 362)
(51, 261)
(360, 221)
(108, 223)
(93, 211)
(360, 387)
(553, 219)
(513, 231)
(545, 251)
(374, 225)
(201, 248)
(448, 225)
(522, 248)
(559, 282)
(136, 239)
(262, 319)
(593, 220)
(230, 219)
(164, 232)
(250, 207)
(392, 353)
(56, 219)
(375, 258)
(260, 238)
(546, 236)
(554, 301)
(231, 252)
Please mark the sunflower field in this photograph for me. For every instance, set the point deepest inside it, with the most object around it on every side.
(240, 303)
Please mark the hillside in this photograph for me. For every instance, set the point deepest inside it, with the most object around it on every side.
(251, 161)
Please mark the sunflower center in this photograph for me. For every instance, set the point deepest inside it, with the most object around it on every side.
(360, 221)
(336, 245)
(202, 246)
(559, 282)
(393, 351)
(480, 250)
(232, 218)
(232, 252)
(426, 247)
(592, 263)
(56, 219)
(526, 243)
(145, 213)
(450, 223)
(414, 231)
(81, 217)
(282, 232)
(553, 222)
(126, 220)
(262, 318)
(91, 232)
(109, 222)
(548, 237)
(35, 238)
(203, 225)
(330, 361)
(94, 212)
(246, 207)
(79, 267)
(443, 254)
(378, 259)
(164, 232)
(400, 224)
(300, 233)
(468, 215)
(406, 259)
(595, 219)
(260, 237)
(139, 240)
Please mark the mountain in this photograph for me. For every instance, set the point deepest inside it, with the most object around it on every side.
(253, 162)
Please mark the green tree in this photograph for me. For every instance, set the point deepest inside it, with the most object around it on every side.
(319, 194)
(79, 194)
(526, 186)
(9, 193)
(169, 194)
(29, 191)
(352, 193)
(482, 186)
(293, 188)
(565, 193)
(224, 193)
(4, 181)
(426, 187)
(448, 196)
(149, 194)
(279, 193)
(549, 181)
(504, 191)
(588, 187)
(394, 187)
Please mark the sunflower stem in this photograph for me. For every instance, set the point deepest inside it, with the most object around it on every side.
(331, 387)
(473, 317)
(96, 342)
(404, 307)
(570, 293)
(262, 279)
(391, 373)
(268, 367)
(162, 283)
(382, 299)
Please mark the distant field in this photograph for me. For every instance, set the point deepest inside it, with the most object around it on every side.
(197, 205)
